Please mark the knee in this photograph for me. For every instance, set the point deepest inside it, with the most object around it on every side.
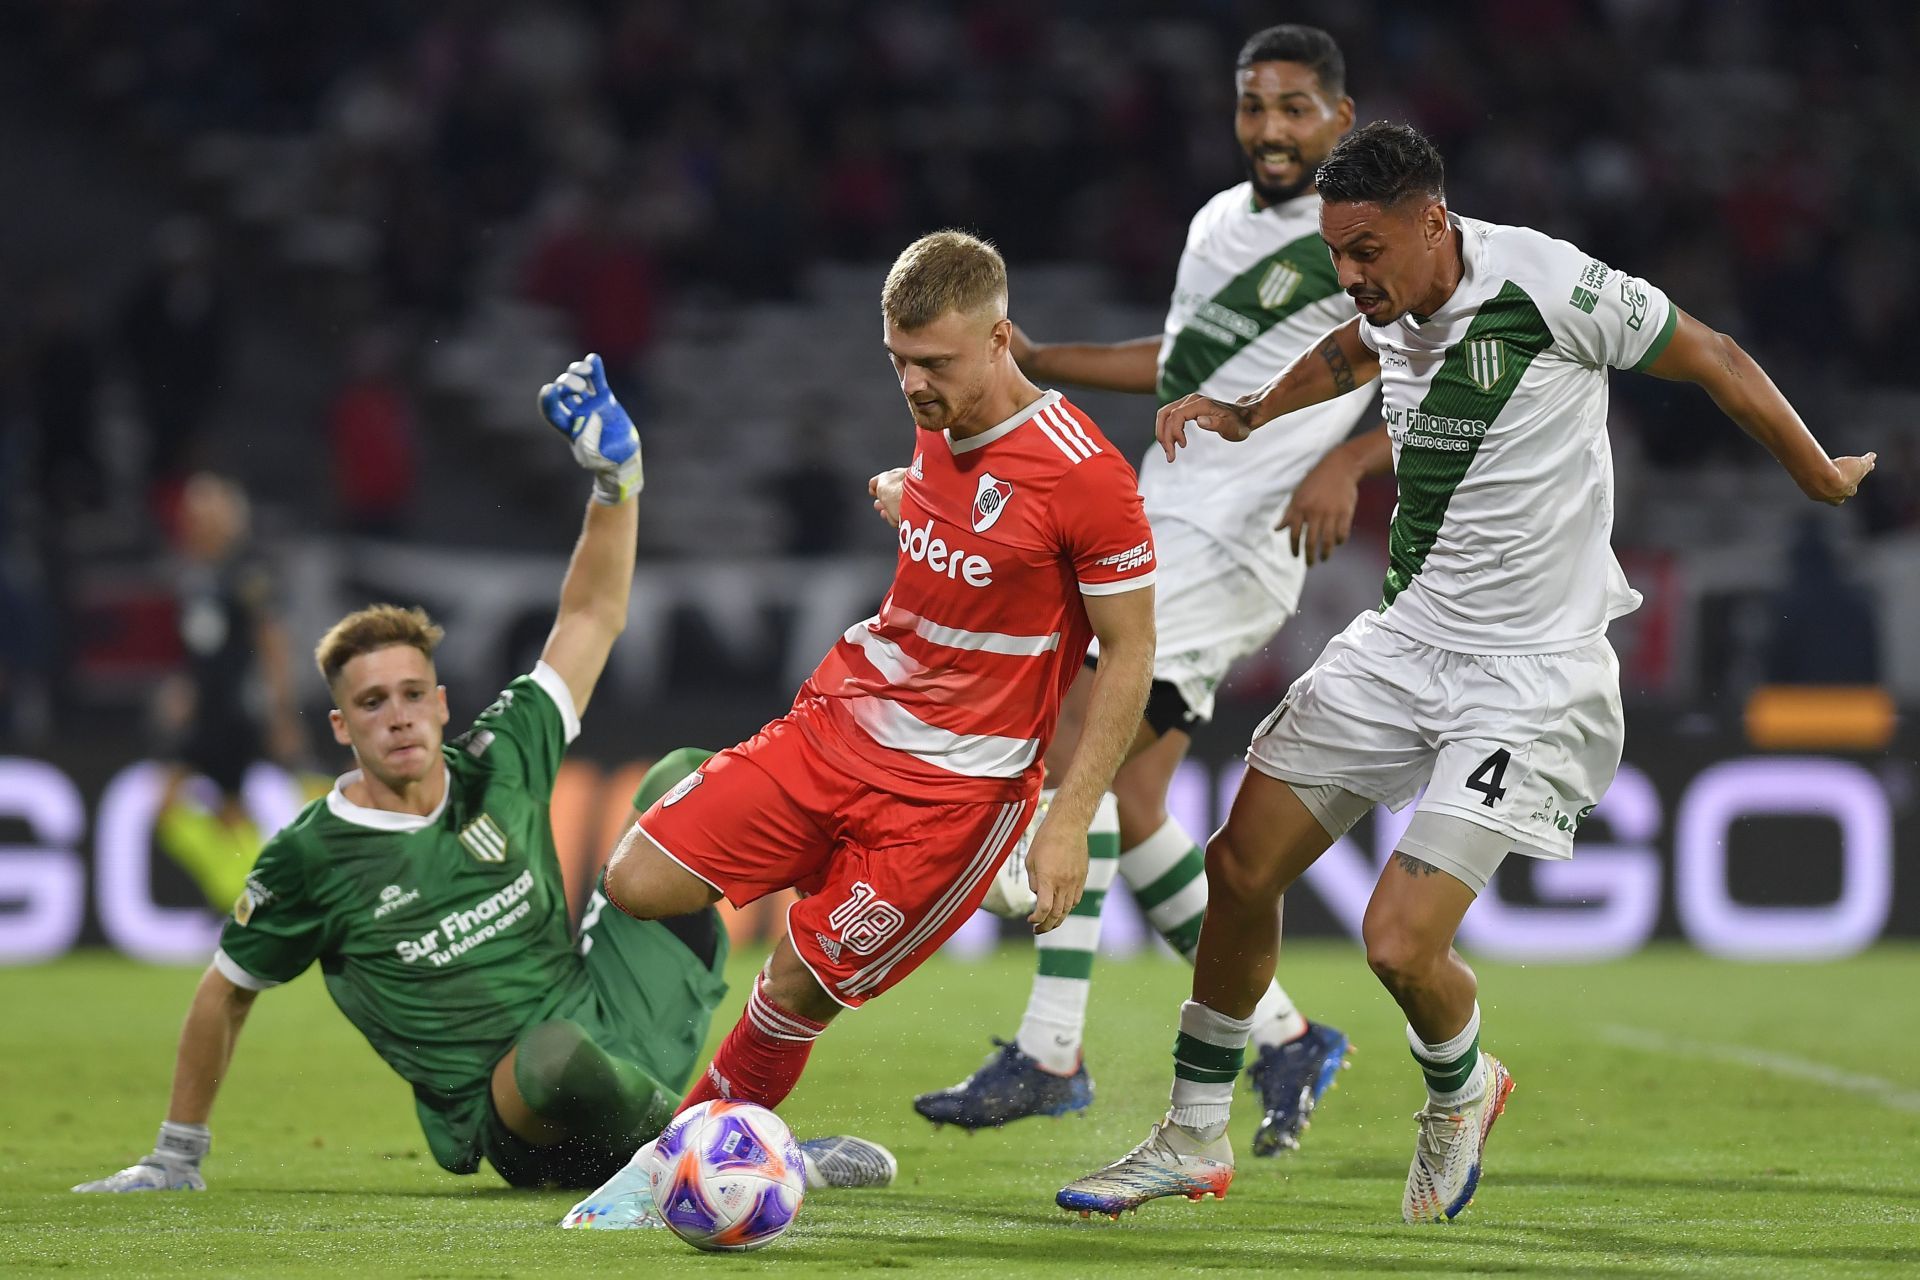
(791, 986)
(625, 880)
(645, 884)
(1233, 873)
(543, 1060)
(1397, 956)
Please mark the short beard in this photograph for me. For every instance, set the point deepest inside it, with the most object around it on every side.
(1280, 195)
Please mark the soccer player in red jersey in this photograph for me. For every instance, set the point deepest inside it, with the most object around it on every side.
(911, 759)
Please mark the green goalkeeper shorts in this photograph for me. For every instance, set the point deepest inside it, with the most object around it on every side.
(650, 998)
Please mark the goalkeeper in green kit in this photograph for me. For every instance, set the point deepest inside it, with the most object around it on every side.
(426, 886)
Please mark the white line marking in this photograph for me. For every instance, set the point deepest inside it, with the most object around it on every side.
(1885, 1092)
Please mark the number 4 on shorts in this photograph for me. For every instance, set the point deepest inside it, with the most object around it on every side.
(1487, 778)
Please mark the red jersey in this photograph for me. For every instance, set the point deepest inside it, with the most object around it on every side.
(952, 690)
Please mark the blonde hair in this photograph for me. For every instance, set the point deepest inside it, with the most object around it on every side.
(374, 627)
(942, 272)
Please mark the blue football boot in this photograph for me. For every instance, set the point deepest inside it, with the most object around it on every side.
(1290, 1079)
(1009, 1086)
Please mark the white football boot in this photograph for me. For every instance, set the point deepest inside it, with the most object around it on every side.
(1447, 1154)
(1171, 1162)
(847, 1162)
(623, 1202)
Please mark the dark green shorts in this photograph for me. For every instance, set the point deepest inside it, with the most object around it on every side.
(649, 1000)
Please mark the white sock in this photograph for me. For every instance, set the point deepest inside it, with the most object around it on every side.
(1275, 1020)
(1452, 1067)
(1167, 873)
(1050, 1030)
(1206, 1066)
(1056, 1017)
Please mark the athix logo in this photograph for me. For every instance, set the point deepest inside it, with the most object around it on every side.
(392, 898)
(990, 498)
(918, 544)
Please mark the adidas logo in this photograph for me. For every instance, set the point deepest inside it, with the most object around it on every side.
(832, 946)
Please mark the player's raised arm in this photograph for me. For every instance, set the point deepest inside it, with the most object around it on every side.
(1133, 365)
(1334, 366)
(207, 1039)
(1744, 392)
(593, 597)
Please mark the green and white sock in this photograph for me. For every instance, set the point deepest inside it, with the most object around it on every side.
(1168, 875)
(1206, 1061)
(1452, 1067)
(1056, 1016)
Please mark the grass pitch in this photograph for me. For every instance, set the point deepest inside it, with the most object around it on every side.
(1674, 1116)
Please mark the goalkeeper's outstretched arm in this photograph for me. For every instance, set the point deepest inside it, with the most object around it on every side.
(593, 598)
(207, 1039)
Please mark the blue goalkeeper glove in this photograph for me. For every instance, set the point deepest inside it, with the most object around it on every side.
(582, 408)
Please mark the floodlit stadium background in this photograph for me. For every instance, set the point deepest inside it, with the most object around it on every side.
(333, 250)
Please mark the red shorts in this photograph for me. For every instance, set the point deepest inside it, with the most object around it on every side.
(888, 878)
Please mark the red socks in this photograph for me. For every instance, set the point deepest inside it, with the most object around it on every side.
(762, 1057)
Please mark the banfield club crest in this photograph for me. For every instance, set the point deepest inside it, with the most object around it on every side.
(990, 498)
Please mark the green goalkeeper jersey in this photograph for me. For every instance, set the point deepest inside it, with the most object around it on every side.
(442, 938)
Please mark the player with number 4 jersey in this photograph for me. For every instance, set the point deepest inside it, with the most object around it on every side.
(1485, 673)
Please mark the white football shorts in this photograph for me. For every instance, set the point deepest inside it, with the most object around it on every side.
(1520, 744)
(1209, 611)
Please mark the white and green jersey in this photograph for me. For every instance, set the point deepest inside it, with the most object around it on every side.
(1497, 405)
(1254, 290)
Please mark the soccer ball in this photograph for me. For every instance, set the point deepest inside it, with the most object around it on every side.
(727, 1176)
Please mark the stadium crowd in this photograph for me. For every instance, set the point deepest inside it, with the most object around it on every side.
(629, 164)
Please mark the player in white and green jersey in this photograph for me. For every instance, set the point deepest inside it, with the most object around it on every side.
(1254, 288)
(1484, 676)
(426, 887)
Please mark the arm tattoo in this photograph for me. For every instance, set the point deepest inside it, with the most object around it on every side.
(1413, 866)
(1337, 363)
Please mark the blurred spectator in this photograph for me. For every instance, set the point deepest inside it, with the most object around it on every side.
(372, 439)
(861, 189)
(25, 639)
(173, 328)
(816, 497)
(62, 376)
(1720, 150)
(592, 266)
(1824, 630)
(234, 703)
